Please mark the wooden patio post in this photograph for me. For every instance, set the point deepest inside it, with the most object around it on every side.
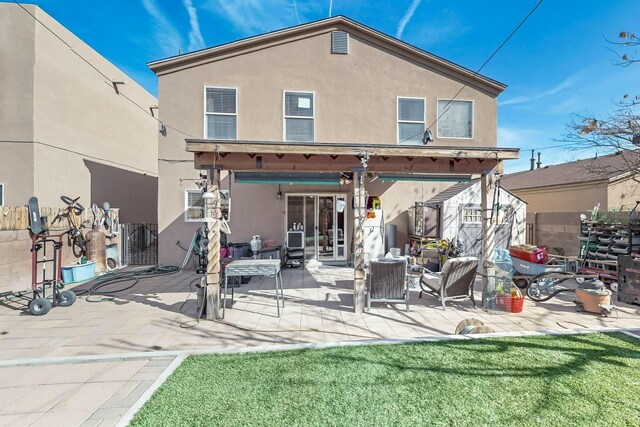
(213, 256)
(488, 235)
(358, 246)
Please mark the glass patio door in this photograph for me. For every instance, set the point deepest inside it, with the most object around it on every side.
(323, 220)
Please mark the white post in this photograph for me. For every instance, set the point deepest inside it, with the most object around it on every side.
(487, 183)
(358, 259)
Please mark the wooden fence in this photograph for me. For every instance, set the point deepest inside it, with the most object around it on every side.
(17, 217)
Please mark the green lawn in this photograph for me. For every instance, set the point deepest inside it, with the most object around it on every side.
(577, 380)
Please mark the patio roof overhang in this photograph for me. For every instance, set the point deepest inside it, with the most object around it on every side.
(280, 156)
(403, 161)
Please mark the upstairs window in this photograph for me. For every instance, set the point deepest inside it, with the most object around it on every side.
(455, 119)
(411, 118)
(1, 194)
(298, 116)
(221, 121)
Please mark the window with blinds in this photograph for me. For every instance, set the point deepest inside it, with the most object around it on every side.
(455, 119)
(193, 206)
(221, 113)
(411, 118)
(298, 116)
(340, 42)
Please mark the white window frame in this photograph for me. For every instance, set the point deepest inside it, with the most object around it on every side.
(204, 109)
(476, 214)
(225, 194)
(398, 121)
(187, 206)
(285, 117)
(1, 194)
(473, 118)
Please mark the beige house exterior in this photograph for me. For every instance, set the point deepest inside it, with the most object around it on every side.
(65, 131)
(577, 186)
(557, 195)
(63, 128)
(353, 100)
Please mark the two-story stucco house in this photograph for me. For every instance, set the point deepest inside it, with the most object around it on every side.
(289, 115)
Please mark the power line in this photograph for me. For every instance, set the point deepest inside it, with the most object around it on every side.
(81, 154)
(495, 52)
(551, 146)
(143, 109)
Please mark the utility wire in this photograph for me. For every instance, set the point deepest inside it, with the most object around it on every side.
(144, 110)
(495, 52)
(148, 172)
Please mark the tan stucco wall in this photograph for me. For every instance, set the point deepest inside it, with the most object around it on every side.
(623, 194)
(17, 58)
(567, 198)
(77, 136)
(355, 101)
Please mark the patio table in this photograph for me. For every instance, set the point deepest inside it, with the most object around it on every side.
(254, 267)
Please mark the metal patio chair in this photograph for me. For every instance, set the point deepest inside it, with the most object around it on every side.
(453, 283)
(387, 281)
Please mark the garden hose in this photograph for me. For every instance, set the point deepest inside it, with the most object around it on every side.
(110, 279)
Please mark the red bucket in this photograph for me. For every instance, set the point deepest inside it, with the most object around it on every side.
(504, 301)
(517, 304)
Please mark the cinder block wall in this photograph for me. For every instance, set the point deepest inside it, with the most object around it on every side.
(557, 230)
(15, 260)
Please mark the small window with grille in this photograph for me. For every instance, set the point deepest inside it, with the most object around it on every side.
(471, 216)
(340, 42)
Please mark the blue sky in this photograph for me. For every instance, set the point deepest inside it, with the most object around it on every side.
(558, 63)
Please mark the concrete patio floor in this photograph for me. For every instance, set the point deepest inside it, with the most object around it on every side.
(154, 317)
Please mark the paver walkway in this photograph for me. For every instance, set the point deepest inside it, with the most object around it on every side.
(86, 394)
(153, 316)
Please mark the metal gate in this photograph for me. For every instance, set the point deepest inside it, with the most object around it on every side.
(140, 244)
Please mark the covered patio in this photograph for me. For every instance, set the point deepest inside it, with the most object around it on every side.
(400, 162)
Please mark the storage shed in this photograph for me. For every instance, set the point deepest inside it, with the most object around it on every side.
(456, 212)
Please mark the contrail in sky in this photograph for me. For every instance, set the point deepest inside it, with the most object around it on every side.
(407, 17)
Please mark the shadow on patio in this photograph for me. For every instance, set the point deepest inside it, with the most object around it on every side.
(158, 314)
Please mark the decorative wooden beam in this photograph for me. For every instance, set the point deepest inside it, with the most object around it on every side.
(347, 149)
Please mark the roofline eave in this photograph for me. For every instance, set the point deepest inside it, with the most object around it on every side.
(196, 58)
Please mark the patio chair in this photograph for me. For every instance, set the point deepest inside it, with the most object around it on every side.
(453, 283)
(387, 281)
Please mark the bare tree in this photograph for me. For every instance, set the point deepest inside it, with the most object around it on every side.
(626, 42)
(619, 131)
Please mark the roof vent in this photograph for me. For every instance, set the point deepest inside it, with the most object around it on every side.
(340, 42)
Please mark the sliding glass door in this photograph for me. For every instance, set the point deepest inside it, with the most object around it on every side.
(323, 219)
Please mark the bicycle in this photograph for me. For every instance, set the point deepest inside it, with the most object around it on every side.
(72, 212)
